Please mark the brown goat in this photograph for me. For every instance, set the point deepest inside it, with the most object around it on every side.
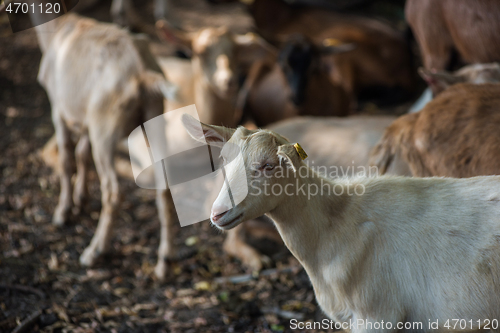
(467, 27)
(381, 57)
(455, 135)
(296, 84)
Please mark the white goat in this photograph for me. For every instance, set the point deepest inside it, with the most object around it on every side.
(210, 81)
(382, 250)
(339, 146)
(101, 84)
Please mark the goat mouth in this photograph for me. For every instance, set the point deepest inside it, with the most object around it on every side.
(230, 224)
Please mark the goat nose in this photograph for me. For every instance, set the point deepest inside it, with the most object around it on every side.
(218, 212)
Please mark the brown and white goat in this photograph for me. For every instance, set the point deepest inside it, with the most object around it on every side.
(208, 80)
(377, 250)
(442, 27)
(101, 84)
(455, 135)
(381, 58)
(296, 83)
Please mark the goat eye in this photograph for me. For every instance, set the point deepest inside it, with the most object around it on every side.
(268, 166)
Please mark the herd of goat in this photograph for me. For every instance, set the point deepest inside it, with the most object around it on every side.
(409, 248)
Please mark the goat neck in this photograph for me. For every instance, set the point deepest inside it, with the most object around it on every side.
(301, 218)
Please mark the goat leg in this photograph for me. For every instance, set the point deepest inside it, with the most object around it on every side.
(83, 156)
(235, 246)
(168, 216)
(63, 138)
(103, 154)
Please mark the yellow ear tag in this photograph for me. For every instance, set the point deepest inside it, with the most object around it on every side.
(300, 151)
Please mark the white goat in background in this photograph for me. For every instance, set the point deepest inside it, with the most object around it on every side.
(101, 83)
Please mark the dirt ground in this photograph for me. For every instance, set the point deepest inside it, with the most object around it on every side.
(39, 271)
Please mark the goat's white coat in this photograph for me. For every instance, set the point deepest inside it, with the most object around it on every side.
(407, 249)
(100, 87)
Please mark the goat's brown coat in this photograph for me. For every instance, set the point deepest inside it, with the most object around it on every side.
(381, 57)
(457, 134)
(469, 27)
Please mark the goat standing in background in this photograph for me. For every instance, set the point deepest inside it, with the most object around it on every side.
(383, 250)
(382, 58)
(442, 27)
(101, 85)
(455, 135)
(294, 83)
(210, 79)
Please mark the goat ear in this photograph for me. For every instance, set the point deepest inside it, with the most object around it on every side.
(288, 154)
(381, 157)
(335, 46)
(216, 135)
(438, 80)
(182, 39)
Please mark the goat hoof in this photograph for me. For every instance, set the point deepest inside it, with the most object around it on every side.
(89, 257)
(76, 210)
(254, 263)
(265, 260)
(59, 218)
(78, 204)
(161, 270)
